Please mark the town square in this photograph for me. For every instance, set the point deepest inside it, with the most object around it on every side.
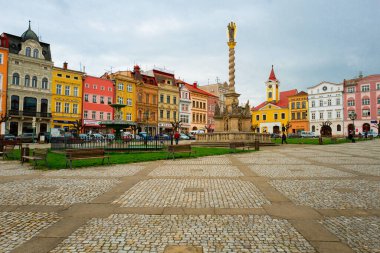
(190, 127)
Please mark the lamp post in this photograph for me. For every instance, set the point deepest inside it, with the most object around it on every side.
(353, 116)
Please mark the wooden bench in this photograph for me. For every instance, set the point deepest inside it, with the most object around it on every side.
(174, 149)
(82, 154)
(38, 154)
(235, 145)
(7, 151)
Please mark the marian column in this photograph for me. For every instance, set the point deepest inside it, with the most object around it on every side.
(231, 59)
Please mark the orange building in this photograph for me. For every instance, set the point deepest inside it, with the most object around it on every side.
(298, 112)
(3, 81)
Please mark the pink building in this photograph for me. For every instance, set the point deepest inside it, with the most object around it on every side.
(362, 96)
(98, 94)
(212, 101)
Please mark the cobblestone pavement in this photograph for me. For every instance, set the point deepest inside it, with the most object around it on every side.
(287, 198)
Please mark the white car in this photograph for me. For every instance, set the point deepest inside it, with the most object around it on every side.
(306, 134)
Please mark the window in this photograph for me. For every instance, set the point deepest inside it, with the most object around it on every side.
(329, 102)
(129, 88)
(109, 100)
(1, 58)
(35, 53)
(320, 103)
(44, 83)
(94, 87)
(174, 100)
(109, 89)
(365, 113)
(351, 90)
(298, 105)
(168, 99)
(76, 78)
(338, 128)
(28, 51)
(293, 116)
(313, 129)
(101, 99)
(120, 86)
(338, 101)
(313, 115)
(338, 114)
(329, 115)
(161, 98)
(154, 99)
(67, 108)
(120, 100)
(351, 102)
(378, 100)
(264, 117)
(27, 81)
(153, 115)
(270, 94)
(101, 87)
(378, 111)
(67, 90)
(94, 98)
(108, 116)
(129, 102)
(15, 103)
(378, 86)
(161, 114)
(313, 103)
(304, 115)
(87, 85)
(257, 117)
(75, 108)
(93, 115)
(34, 82)
(147, 98)
(321, 115)
(85, 114)
(139, 98)
(282, 115)
(57, 106)
(76, 91)
(86, 97)
(174, 115)
(60, 75)
(101, 115)
(365, 101)
(168, 114)
(16, 79)
(129, 117)
(303, 104)
(365, 88)
(184, 118)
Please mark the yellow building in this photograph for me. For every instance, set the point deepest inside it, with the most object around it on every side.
(298, 111)
(126, 94)
(168, 99)
(272, 116)
(66, 97)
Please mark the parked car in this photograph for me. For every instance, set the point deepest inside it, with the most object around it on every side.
(145, 136)
(84, 137)
(97, 137)
(163, 137)
(275, 135)
(191, 136)
(109, 137)
(183, 136)
(373, 134)
(27, 137)
(306, 134)
(8, 137)
(294, 135)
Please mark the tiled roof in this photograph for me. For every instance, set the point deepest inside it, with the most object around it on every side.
(301, 93)
(283, 102)
(191, 88)
(272, 76)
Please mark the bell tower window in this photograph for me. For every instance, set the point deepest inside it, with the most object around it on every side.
(28, 51)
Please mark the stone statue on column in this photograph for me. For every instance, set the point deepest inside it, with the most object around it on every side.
(231, 59)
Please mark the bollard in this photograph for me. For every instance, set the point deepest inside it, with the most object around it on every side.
(320, 141)
(257, 145)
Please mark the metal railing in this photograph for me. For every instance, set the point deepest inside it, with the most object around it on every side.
(124, 144)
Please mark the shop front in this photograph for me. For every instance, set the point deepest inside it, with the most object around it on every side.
(165, 128)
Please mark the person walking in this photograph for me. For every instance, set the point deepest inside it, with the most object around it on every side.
(283, 138)
(176, 137)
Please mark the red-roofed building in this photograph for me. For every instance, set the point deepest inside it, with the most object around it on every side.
(272, 115)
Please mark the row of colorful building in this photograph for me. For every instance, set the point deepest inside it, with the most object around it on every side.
(325, 108)
(37, 96)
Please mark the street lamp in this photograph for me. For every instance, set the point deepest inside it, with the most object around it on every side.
(353, 116)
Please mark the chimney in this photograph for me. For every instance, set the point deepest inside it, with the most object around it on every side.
(65, 65)
(195, 85)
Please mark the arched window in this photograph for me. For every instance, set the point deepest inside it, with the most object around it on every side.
(34, 82)
(16, 79)
(35, 53)
(338, 128)
(313, 128)
(27, 81)
(28, 51)
(15, 103)
(44, 83)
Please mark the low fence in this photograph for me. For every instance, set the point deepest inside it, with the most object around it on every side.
(233, 136)
(61, 143)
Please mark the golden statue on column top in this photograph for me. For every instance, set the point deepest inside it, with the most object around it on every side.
(231, 32)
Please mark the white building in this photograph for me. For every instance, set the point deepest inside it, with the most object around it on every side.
(184, 108)
(326, 108)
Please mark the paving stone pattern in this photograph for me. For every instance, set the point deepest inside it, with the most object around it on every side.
(362, 234)
(218, 193)
(53, 191)
(215, 233)
(111, 171)
(202, 160)
(364, 168)
(18, 227)
(196, 171)
(14, 169)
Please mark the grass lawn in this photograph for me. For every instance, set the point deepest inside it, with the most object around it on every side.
(314, 141)
(58, 161)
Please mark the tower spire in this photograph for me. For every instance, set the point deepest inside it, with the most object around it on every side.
(272, 76)
(29, 25)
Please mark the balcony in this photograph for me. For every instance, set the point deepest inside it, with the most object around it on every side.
(29, 114)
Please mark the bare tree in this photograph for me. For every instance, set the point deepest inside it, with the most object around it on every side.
(286, 127)
(254, 127)
(78, 125)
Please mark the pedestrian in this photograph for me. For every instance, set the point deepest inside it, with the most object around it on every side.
(176, 137)
(365, 134)
(283, 138)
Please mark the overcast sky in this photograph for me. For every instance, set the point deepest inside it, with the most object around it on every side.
(306, 41)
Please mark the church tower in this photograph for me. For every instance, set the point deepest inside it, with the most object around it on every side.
(272, 87)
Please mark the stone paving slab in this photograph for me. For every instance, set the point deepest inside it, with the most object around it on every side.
(53, 191)
(18, 227)
(121, 170)
(336, 194)
(362, 234)
(344, 160)
(196, 171)
(11, 168)
(301, 170)
(272, 160)
(373, 170)
(201, 160)
(214, 233)
(193, 193)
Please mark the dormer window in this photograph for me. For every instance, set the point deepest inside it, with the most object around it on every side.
(28, 51)
(35, 53)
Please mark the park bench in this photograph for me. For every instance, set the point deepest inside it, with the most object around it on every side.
(244, 145)
(38, 154)
(174, 149)
(82, 154)
(7, 151)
